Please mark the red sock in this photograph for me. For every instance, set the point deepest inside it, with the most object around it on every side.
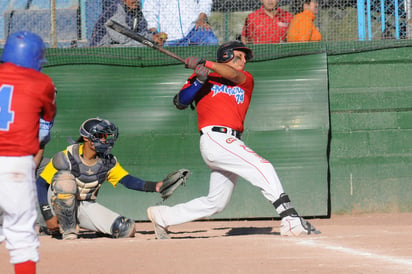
(27, 267)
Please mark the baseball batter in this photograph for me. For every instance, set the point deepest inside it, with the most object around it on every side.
(69, 184)
(26, 97)
(222, 99)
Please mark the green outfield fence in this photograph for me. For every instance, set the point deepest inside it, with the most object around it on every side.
(334, 117)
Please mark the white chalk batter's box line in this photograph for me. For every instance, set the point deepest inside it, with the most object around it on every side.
(355, 252)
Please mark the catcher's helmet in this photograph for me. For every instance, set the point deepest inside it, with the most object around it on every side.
(225, 51)
(26, 49)
(102, 133)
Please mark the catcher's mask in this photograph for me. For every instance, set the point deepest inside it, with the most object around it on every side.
(102, 133)
(225, 51)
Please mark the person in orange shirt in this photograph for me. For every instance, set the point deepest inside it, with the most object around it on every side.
(302, 28)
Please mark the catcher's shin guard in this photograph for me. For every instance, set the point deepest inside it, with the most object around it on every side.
(64, 203)
(66, 212)
(123, 227)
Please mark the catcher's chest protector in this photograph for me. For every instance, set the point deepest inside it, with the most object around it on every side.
(88, 178)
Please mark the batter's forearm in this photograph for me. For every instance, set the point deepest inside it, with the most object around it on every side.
(185, 96)
(226, 71)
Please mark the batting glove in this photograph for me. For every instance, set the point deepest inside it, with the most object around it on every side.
(201, 73)
(192, 62)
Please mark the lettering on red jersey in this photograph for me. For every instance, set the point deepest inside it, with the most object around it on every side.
(237, 92)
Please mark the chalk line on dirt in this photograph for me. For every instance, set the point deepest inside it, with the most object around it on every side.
(355, 252)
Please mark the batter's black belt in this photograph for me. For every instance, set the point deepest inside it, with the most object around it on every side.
(226, 130)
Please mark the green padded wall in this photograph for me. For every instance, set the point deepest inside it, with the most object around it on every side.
(370, 104)
(287, 123)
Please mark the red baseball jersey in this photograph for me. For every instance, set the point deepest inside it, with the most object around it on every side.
(220, 102)
(26, 95)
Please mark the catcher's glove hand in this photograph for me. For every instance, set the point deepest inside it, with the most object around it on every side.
(173, 181)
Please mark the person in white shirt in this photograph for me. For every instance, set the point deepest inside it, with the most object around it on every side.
(128, 13)
(184, 21)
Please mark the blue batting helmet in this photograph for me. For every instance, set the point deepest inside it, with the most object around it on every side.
(26, 49)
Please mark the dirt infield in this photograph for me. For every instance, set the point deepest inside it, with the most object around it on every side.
(378, 243)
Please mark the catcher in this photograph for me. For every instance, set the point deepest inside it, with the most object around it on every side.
(68, 186)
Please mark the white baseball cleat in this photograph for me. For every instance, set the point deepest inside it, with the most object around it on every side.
(69, 236)
(296, 226)
(160, 231)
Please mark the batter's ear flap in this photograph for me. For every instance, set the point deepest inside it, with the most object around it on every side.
(227, 55)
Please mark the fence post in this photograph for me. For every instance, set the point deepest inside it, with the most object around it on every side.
(53, 34)
(397, 29)
(361, 19)
(408, 19)
(368, 13)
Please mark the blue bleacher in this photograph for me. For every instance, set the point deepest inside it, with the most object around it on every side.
(70, 24)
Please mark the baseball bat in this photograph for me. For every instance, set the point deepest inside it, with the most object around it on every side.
(141, 39)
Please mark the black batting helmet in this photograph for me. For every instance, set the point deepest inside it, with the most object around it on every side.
(225, 51)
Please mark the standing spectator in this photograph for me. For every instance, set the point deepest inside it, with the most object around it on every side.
(222, 100)
(184, 21)
(127, 13)
(266, 25)
(27, 96)
(302, 28)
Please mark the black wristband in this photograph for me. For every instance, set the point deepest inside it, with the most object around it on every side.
(46, 211)
(149, 186)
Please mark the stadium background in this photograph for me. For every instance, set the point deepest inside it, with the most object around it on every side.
(333, 117)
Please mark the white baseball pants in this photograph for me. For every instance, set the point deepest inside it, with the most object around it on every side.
(18, 208)
(228, 158)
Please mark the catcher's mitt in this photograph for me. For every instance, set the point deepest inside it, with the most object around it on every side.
(173, 181)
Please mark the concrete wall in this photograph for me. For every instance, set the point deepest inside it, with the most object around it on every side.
(371, 121)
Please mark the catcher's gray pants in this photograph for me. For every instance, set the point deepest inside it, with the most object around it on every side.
(228, 158)
(93, 216)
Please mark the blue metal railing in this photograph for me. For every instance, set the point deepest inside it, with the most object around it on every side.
(365, 16)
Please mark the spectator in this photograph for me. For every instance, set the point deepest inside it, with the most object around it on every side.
(266, 25)
(184, 21)
(127, 13)
(302, 28)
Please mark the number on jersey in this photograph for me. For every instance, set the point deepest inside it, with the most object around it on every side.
(6, 115)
